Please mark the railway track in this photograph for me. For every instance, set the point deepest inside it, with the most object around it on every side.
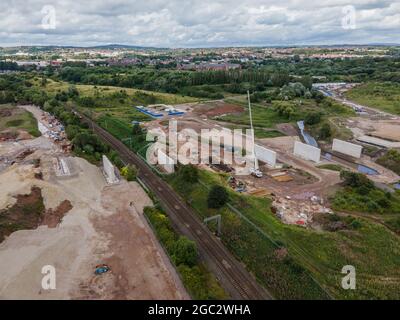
(232, 275)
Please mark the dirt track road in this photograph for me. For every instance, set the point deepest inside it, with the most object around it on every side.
(284, 149)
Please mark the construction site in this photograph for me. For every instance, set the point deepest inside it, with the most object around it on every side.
(290, 168)
(85, 220)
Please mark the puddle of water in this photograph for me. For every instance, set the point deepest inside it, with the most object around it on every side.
(307, 138)
(367, 170)
(361, 168)
(397, 186)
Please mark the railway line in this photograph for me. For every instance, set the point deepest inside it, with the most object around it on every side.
(232, 275)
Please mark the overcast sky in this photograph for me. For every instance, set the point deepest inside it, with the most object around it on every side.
(198, 23)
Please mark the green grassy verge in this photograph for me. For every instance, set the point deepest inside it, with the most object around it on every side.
(123, 131)
(384, 96)
(200, 283)
(372, 201)
(391, 160)
(18, 119)
(266, 257)
(52, 87)
(332, 167)
(260, 240)
(264, 115)
(261, 133)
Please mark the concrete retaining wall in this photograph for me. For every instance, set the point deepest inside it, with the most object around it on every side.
(109, 171)
(265, 155)
(307, 152)
(347, 148)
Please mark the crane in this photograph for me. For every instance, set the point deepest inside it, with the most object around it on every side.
(256, 170)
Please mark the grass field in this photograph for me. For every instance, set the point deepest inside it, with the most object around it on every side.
(91, 90)
(117, 102)
(375, 201)
(372, 249)
(332, 167)
(13, 118)
(265, 117)
(261, 133)
(384, 96)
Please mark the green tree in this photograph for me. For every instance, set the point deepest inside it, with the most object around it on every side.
(356, 180)
(129, 172)
(189, 173)
(325, 132)
(136, 129)
(217, 197)
(312, 118)
(185, 252)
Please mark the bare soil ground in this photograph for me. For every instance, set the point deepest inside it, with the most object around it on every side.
(287, 128)
(217, 108)
(53, 217)
(384, 129)
(87, 224)
(134, 256)
(321, 182)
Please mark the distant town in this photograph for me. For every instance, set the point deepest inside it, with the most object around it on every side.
(183, 59)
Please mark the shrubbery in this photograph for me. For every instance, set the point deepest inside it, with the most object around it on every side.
(391, 160)
(361, 195)
(129, 172)
(217, 197)
(312, 118)
(183, 252)
(188, 173)
(325, 132)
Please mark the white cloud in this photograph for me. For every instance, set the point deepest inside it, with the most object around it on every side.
(185, 23)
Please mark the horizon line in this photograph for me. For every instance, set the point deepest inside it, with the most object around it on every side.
(376, 44)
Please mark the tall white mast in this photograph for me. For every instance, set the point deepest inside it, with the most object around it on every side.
(252, 132)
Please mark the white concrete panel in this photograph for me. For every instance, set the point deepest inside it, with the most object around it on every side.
(166, 162)
(307, 152)
(348, 148)
(265, 155)
(109, 171)
(379, 142)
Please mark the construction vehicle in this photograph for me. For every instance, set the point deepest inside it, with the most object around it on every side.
(256, 173)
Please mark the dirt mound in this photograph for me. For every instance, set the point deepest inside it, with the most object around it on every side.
(5, 113)
(29, 212)
(24, 154)
(25, 214)
(23, 135)
(288, 129)
(8, 135)
(52, 218)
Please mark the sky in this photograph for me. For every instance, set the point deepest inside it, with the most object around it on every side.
(198, 23)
